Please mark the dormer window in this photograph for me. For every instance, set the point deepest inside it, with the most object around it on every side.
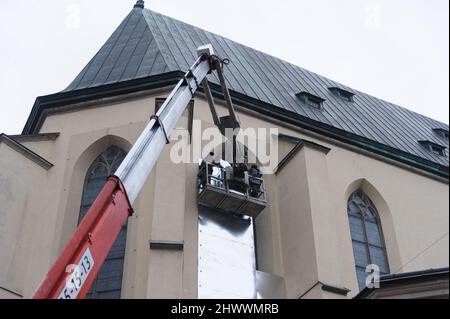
(310, 99)
(434, 148)
(438, 150)
(441, 132)
(343, 94)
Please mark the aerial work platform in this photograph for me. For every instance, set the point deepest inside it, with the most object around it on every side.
(218, 190)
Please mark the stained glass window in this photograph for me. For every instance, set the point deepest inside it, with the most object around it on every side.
(108, 283)
(367, 236)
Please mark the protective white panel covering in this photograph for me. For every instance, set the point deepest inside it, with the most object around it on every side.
(227, 261)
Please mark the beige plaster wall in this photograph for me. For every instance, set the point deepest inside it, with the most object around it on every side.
(302, 235)
(20, 210)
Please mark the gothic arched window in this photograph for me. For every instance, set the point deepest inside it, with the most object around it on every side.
(367, 236)
(108, 283)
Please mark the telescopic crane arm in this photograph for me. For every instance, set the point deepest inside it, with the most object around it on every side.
(74, 271)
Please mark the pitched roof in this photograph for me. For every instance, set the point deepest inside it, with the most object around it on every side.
(148, 43)
(423, 277)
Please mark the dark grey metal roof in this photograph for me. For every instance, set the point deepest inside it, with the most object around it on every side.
(415, 276)
(148, 43)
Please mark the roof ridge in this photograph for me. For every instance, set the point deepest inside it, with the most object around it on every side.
(157, 41)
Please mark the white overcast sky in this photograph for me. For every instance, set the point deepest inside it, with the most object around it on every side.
(397, 50)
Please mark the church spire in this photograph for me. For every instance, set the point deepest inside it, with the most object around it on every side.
(140, 4)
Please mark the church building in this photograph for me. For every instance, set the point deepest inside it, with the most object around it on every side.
(360, 189)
